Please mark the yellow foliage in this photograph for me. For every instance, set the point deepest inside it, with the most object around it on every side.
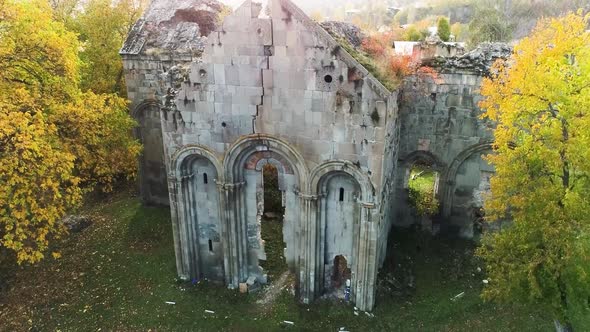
(540, 100)
(55, 140)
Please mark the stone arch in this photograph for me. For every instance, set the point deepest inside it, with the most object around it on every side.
(180, 156)
(450, 174)
(350, 219)
(242, 168)
(427, 158)
(197, 226)
(152, 169)
(424, 156)
(346, 167)
(236, 156)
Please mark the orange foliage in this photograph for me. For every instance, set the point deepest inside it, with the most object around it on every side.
(400, 66)
(375, 46)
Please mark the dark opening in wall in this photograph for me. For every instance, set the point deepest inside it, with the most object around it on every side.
(341, 196)
(223, 124)
(202, 72)
(210, 245)
(273, 197)
(328, 79)
(272, 223)
(205, 179)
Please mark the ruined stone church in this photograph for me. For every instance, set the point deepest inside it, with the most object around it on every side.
(216, 101)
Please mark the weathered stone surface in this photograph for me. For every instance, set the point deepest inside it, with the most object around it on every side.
(77, 223)
(268, 87)
(478, 61)
(348, 31)
(441, 126)
(273, 87)
(179, 26)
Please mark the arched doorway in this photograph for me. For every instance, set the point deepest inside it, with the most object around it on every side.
(271, 221)
(199, 228)
(244, 197)
(340, 213)
(466, 182)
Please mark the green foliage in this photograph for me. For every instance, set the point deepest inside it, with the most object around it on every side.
(541, 103)
(421, 191)
(489, 25)
(413, 34)
(444, 29)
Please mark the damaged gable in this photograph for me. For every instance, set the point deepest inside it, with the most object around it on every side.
(174, 26)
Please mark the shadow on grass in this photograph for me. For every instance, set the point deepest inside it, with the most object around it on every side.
(149, 228)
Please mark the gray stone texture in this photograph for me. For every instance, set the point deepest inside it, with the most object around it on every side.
(263, 86)
(442, 125)
(217, 100)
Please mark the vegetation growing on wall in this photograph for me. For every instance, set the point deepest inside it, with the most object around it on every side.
(377, 56)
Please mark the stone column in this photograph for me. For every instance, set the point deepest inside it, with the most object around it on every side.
(308, 262)
(235, 258)
(176, 212)
(366, 271)
(320, 220)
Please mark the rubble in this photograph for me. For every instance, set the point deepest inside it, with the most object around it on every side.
(479, 60)
(353, 34)
(76, 224)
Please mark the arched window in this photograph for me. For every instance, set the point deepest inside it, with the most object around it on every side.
(205, 179)
(341, 196)
(210, 245)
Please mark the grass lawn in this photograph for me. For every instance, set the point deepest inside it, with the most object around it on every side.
(118, 274)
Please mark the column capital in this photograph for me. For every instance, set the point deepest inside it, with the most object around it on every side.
(307, 197)
(228, 186)
(368, 205)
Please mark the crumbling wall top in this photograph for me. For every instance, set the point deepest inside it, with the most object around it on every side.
(479, 60)
(180, 26)
(348, 31)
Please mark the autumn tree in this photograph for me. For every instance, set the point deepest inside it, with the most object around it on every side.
(102, 27)
(56, 141)
(444, 29)
(540, 101)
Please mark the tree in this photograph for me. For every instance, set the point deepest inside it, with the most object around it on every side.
(55, 140)
(540, 101)
(103, 28)
(444, 29)
(489, 24)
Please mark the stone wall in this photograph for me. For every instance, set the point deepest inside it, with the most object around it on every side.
(266, 86)
(441, 125)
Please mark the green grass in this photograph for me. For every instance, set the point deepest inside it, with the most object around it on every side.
(118, 273)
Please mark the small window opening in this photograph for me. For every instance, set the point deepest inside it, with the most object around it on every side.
(205, 178)
(210, 245)
(223, 124)
(341, 196)
(328, 78)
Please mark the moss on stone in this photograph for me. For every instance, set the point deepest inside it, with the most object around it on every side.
(369, 63)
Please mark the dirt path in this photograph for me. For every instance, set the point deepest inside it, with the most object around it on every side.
(274, 289)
